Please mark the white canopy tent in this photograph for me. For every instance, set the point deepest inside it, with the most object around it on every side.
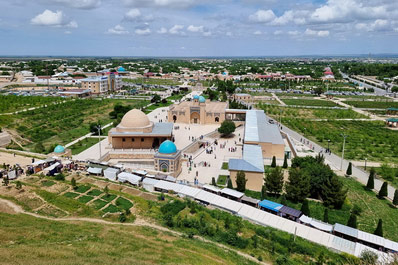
(130, 178)
(111, 173)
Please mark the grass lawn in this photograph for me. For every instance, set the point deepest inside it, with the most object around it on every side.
(372, 207)
(222, 180)
(85, 199)
(309, 102)
(47, 183)
(372, 104)
(12, 103)
(98, 204)
(124, 203)
(71, 194)
(94, 192)
(80, 146)
(82, 189)
(111, 209)
(109, 197)
(224, 165)
(47, 242)
(366, 139)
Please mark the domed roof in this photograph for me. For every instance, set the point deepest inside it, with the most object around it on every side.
(59, 149)
(121, 69)
(135, 119)
(168, 147)
(196, 97)
(202, 99)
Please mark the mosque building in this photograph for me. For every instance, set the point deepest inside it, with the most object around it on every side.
(135, 131)
(168, 159)
(198, 111)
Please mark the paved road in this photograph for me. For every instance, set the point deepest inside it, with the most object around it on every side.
(378, 91)
(335, 162)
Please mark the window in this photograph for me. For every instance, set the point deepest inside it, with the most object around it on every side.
(124, 139)
(142, 139)
(132, 139)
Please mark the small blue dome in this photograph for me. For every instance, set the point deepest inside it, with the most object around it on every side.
(59, 149)
(167, 147)
(121, 69)
(196, 97)
(202, 99)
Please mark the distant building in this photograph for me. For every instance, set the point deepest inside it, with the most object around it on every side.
(198, 111)
(102, 84)
(242, 97)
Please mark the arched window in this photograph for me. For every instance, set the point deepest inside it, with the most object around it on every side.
(217, 119)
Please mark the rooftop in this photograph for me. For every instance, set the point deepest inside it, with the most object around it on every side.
(252, 160)
(258, 129)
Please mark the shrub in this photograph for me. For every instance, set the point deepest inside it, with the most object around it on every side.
(379, 228)
(305, 208)
(273, 163)
(60, 177)
(383, 190)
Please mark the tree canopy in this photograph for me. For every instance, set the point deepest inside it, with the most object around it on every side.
(227, 127)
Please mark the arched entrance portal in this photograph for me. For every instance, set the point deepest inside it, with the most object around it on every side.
(217, 119)
(174, 118)
(195, 117)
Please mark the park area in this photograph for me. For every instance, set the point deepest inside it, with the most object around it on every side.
(309, 102)
(40, 130)
(12, 103)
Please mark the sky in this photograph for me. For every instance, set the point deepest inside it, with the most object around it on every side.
(186, 28)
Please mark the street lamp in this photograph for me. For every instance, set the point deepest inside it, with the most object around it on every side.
(99, 140)
(328, 145)
(342, 155)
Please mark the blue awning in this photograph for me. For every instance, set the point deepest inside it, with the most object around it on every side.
(273, 206)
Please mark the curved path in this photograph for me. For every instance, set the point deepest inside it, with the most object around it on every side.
(138, 223)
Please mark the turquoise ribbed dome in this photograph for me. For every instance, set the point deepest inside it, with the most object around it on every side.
(202, 99)
(196, 97)
(59, 149)
(167, 147)
(121, 69)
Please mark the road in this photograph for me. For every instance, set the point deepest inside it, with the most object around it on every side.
(335, 162)
(377, 91)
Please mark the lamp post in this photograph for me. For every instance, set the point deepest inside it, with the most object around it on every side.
(342, 155)
(366, 160)
(328, 145)
(99, 140)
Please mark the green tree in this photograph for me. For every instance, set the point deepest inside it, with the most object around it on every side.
(298, 187)
(274, 180)
(352, 221)
(106, 190)
(94, 128)
(156, 99)
(368, 257)
(273, 163)
(379, 228)
(227, 127)
(284, 162)
(229, 184)
(213, 181)
(73, 183)
(305, 208)
(263, 192)
(326, 215)
(383, 190)
(349, 169)
(371, 180)
(241, 181)
(395, 200)
(18, 185)
(122, 217)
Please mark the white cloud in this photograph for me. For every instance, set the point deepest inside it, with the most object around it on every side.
(146, 31)
(176, 29)
(262, 16)
(160, 3)
(278, 32)
(377, 25)
(53, 19)
(133, 14)
(117, 30)
(162, 30)
(67, 32)
(193, 28)
(296, 16)
(293, 33)
(257, 32)
(315, 33)
(229, 34)
(207, 33)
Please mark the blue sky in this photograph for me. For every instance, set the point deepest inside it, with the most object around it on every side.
(198, 27)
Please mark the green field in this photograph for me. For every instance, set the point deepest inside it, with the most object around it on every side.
(47, 242)
(372, 104)
(309, 102)
(307, 113)
(61, 123)
(12, 103)
(366, 139)
(222, 180)
(80, 146)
